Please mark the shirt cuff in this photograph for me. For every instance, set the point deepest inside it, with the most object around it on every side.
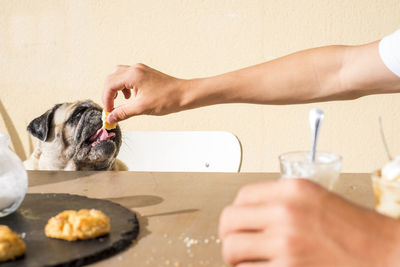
(389, 50)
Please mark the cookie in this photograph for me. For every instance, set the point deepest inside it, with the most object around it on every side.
(10, 244)
(106, 125)
(72, 225)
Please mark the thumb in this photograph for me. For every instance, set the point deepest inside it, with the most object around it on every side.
(123, 112)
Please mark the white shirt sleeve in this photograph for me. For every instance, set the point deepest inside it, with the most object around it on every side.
(389, 50)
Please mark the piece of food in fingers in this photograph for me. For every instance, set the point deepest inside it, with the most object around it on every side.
(107, 125)
(72, 225)
(11, 246)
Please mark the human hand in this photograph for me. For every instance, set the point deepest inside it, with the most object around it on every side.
(297, 223)
(151, 92)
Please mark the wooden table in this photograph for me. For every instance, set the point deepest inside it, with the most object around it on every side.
(178, 212)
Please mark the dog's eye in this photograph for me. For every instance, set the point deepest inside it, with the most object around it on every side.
(76, 115)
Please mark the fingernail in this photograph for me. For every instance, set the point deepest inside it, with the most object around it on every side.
(111, 119)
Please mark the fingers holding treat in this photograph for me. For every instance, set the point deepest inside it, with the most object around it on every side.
(106, 125)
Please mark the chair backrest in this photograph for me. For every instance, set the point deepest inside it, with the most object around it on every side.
(187, 151)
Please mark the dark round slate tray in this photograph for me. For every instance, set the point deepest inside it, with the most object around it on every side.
(32, 216)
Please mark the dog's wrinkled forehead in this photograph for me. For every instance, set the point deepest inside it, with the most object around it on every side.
(42, 127)
(62, 113)
(70, 112)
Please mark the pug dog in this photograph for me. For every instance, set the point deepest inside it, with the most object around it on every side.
(70, 137)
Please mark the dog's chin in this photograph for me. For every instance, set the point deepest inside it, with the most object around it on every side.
(96, 155)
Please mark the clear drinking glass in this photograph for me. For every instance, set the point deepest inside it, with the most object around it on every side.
(324, 171)
(387, 195)
(13, 178)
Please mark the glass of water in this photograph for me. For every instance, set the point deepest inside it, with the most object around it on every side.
(324, 171)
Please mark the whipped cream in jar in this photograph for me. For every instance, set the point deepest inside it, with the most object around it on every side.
(386, 185)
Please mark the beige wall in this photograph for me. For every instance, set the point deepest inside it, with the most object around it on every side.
(57, 51)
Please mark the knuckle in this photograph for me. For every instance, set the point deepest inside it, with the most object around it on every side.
(296, 187)
(246, 191)
(118, 68)
(287, 211)
(290, 242)
(104, 99)
(292, 245)
(109, 78)
(226, 214)
(139, 65)
(228, 250)
(121, 114)
(137, 73)
(292, 213)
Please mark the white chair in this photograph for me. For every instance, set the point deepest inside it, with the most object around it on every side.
(191, 151)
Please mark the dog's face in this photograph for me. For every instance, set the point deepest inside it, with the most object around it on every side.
(68, 138)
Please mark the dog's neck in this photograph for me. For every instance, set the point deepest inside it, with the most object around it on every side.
(50, 160)
(40, 161)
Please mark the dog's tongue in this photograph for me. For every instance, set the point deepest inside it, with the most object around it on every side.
(101, 135)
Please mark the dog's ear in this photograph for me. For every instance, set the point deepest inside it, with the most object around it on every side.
(40, 126)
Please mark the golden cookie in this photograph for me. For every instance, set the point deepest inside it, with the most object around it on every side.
(106, 125)
(83, 224)
(10, 244)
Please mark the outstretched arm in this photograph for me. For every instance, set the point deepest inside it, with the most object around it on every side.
(318, 74)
